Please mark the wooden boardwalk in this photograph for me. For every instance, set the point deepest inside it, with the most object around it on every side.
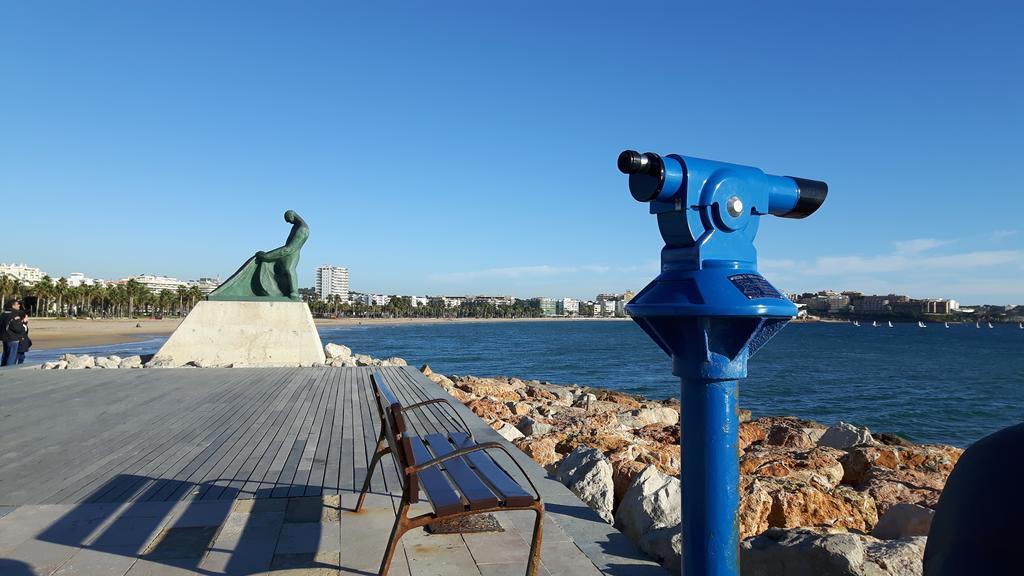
(192, 434)
(245, 471)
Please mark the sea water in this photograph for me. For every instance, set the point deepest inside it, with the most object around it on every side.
(950, 385)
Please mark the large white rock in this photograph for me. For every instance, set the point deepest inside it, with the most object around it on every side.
(333, 351)
(79, 362)
(131, 362)
(646, 416)
(842, 436)
(653, 501)
(588, 473)
(108, 362)
(219, 333)
(904, 521)
(509, 432)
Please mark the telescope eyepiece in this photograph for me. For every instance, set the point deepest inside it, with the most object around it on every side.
(633, 162)
(810, 196)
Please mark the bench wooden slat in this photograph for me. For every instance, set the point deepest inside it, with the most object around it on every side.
(510, 491)
(442, 496)
(473, 490)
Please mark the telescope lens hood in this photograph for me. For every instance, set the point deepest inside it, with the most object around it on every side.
(810, 196)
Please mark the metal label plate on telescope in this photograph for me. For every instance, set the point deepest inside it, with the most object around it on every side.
(754, 286)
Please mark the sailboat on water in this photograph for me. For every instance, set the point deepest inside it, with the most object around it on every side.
(947, 324)
(989, 324)
(1020, 325)
(855, 323)
(921, 324)
(890, 323)
(874, 323)
(977, 325)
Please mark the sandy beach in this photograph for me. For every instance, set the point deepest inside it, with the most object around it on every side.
(69, 333)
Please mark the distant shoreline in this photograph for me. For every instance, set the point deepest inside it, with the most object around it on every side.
(50, 333)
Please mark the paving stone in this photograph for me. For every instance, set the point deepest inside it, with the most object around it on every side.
(200, 513)
(43, 557)
(169, 567)
(516, 569)
(328, 562)
(135, 533)
(498, 548)
(259, 505)
(98, 563)
(309, 537)
(437, 554)
(565, 559)
(304, 509)
(5, 510)
(188, 542)
(522, 521)
(26, 522)
(245, 544)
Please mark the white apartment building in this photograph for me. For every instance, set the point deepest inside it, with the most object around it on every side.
(156, 284)
(205, 285)
(568, 307)
(26, 274)
(331, 281)
(417, 301)
(76, 279)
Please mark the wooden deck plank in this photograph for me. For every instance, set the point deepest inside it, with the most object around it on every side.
(149, 442)
(317, 473)
(257, 485)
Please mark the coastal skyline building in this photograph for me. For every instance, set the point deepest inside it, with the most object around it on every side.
(156, 283)
(332, 281)
(25, 274)
(205, 285)
(76, 279)
(568, 307)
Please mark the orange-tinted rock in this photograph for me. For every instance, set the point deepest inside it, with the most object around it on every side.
(489, 410)
(497, 388)
(619, 398)
(819, 467)
(788, 434)
(660, 433)
(755, 505)
(796, 503)
(541, 449)
(751, 432)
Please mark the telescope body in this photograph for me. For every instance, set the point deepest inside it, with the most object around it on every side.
(711, 310)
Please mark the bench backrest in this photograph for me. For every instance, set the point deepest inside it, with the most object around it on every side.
(395, 431)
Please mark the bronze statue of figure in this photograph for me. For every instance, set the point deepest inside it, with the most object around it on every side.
(269, 275)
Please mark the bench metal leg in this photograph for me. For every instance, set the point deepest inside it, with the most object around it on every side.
(397, 531)
(382, 449)
(538, 535)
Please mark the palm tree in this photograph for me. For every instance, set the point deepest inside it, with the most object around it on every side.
(195, 295)
(133, 290)
(182, 294)
(44, 291)
(6, 285)
(60, 289)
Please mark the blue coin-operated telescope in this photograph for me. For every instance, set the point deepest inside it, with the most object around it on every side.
(710, 310)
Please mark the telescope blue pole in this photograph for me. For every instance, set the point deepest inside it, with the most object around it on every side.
(710, 477)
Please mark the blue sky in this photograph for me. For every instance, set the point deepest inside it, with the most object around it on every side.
(469, 147)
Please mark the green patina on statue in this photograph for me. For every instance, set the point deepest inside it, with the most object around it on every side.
(268, 276)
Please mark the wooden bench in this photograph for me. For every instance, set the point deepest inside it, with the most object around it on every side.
(458, 477)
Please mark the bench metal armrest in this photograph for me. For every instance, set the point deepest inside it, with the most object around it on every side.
(475, 448)
(443, 402)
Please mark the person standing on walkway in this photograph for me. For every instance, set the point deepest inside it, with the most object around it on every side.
(11, 342)
(25, 342)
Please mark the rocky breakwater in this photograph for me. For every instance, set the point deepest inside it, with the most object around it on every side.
(816, 499)
(337, 356)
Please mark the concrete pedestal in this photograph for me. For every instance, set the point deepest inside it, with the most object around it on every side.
(219, 333)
